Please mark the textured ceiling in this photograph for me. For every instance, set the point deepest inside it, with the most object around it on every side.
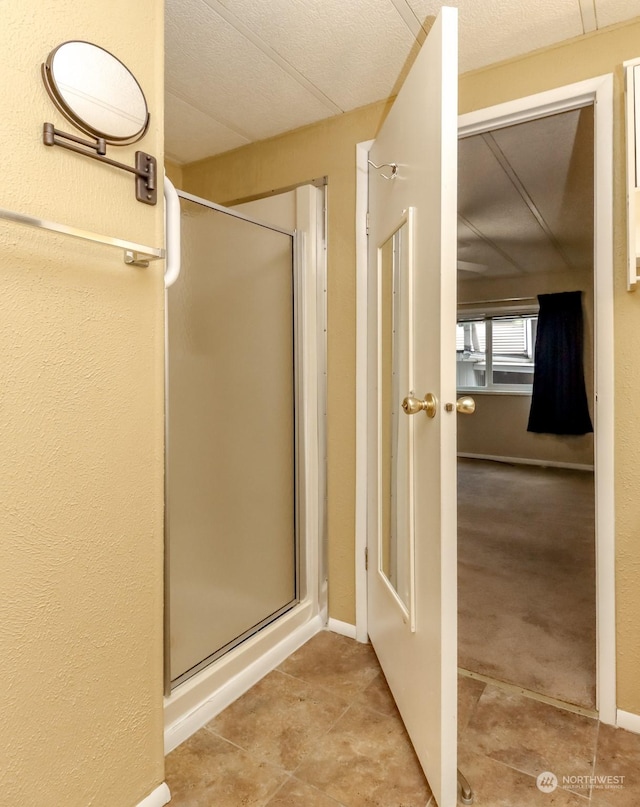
(525, 198)
(242, 70)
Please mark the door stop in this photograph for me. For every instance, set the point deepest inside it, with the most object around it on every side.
(464, 789)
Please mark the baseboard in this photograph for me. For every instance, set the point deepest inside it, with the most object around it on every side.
(158, 798)
(182, 728)
(628, 721)
(574, 466)
(343, 628)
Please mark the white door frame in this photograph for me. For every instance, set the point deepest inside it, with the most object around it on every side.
(599, 93)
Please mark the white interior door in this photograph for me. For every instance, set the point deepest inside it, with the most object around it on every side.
(412, 472)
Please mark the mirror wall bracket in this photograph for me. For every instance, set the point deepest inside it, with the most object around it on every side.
(145, 169)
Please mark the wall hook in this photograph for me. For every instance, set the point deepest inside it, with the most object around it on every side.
(392, 166)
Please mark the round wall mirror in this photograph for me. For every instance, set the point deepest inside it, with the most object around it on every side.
(96, 92)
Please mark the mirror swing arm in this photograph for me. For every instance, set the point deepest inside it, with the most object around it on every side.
(113, 111)
(145, 169)
(98, 94)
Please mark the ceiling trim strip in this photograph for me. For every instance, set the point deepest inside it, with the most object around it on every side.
(526, 198)
(491, 243)
(589, 15)
(410, 19)
(169, 90)
(268, 51)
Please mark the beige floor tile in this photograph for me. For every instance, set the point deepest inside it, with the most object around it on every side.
(334, 662)
(279, 719)
(618, 755)
(469, 692)
(366, 760)
(377, 696)
(327, 716)
(497, 785)
(207, 771)
(531, 736)
(296, 794)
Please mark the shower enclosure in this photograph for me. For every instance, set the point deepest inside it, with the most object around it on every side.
(233, 374)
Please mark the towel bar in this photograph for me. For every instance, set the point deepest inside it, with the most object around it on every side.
(134, 254)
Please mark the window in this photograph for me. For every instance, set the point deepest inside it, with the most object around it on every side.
(496, 353)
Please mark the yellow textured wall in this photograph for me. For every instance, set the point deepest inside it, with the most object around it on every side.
(329, 148)
(81, 429)
(325, 149)
(174, 172)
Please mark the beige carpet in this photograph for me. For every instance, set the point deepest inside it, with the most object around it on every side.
(526, 577)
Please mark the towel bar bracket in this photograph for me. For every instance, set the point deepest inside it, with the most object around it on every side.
(135, 258)
(145, 169)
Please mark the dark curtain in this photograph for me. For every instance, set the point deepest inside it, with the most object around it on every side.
(559, 402)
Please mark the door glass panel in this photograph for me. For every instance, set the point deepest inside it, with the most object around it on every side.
(395, 522)
(231, 507)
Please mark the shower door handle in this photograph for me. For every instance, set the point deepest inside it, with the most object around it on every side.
(172, 233)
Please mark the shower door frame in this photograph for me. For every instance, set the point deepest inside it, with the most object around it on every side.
(300, 336)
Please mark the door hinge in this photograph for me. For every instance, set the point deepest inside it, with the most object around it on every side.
(366, 558)
(367, 222)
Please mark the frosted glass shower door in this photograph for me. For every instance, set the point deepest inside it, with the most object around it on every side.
(231, 448)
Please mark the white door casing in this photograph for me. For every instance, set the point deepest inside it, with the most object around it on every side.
(417, 642)
(597, 91)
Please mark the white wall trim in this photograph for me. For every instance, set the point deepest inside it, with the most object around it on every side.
(575, 466)
(218, 699)
(628, 721)
(599, 92)
(520, 110)
(158, 798)
(362, 206)
(605, 406)
(311, 367)
(343, 628)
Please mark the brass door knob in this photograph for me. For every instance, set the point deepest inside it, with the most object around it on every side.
(465, 405)
(412, 406)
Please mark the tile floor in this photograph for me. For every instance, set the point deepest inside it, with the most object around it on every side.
(322, 731)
